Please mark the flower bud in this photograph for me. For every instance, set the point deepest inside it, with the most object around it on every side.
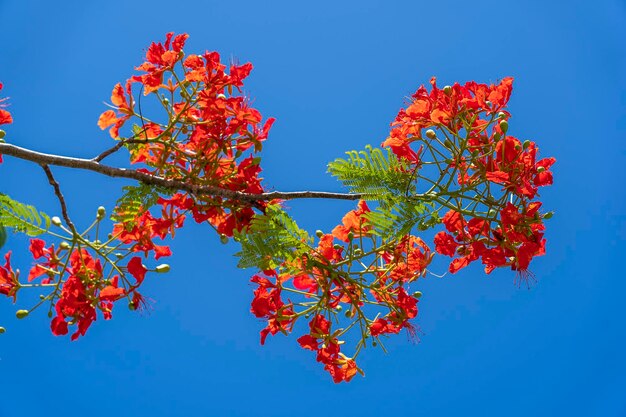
(526, 144)
(2, 330)
(132, 306)
(447, 90)
(339, 307)
(64, 245)
(166, 101)
(163, 268)
(417, 294)
(101, 212)
(49, 314)
(224, 239)
(56, 221)
(350, 235)
(487, 103)
(504, 125)
(501, 115)
(548, 215)
(337, 246)
(221, 96)
(20, 314)
(2, 134)
(431, 134)
(319, 233)
(540, 169)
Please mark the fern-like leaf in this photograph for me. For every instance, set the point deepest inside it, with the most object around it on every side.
(375, 173)
(22, 217)
(271, 239)
(136, 200)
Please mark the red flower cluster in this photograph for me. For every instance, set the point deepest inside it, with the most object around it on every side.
(210, 136)
(444, 108)
(514, 243)
(268, 304)
(502, 229)
(324, 280)
(328, 349)
(80, 286)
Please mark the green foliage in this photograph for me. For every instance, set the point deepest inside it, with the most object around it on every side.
(399, 219)
(22, 217)
(136, 200)
(376, 174)
(271, 239)
(3, 236)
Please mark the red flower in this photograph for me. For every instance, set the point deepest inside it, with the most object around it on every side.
(5, 116)
(136, 269)
(9, 283)
(353, 222)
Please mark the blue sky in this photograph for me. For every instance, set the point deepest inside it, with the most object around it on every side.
(334, 75)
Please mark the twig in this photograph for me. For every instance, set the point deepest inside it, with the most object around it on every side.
(57, 191)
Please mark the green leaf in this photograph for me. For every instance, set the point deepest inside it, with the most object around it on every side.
(22, 217)
(271, 239)
(136, 200)
(399, 219)
(375, 173)
(3, 236)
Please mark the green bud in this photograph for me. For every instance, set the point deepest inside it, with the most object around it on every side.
(339, 307)
(163, 268)
(501, 115)
(374, 343)
(350, 235)
(504, 125)
(319, 233)
(41, 296)
(224, 239)
(2, 134)
(358, 251)
(526, 144)
(221, 96)
(132, 306)
(50, 314)
(119, 255)
(64, 245)
(431, 134)
(20, 314)
(548, 215)
(487, 103)
(337, 246)
(166, 101)
(56, 221)
(447, 90)
(417, 294)
(541, 169)
(101, 212)
(448, 144)
(2, 330)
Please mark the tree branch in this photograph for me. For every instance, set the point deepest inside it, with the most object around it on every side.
(95, 166)
(57, 191)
